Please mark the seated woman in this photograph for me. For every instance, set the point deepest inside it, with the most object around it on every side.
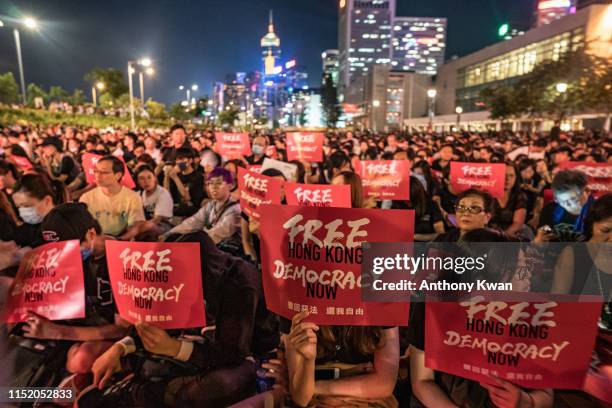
(156, 201)
(586, 268)
(372, 353)
(433, 389)
(510, 211)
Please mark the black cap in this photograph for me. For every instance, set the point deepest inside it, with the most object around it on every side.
(53, 141)
(68, 221)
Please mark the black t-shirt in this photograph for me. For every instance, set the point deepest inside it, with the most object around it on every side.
(8, 228)
(251, 160)
(425, 223)
(99, 302)
(29, 235)
(503, 217)
(194, 182)
(67, 167)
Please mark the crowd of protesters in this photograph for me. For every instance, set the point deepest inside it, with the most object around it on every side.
(186, 191)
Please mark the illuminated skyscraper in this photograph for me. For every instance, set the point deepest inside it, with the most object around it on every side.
(330, 65)
(364, 36)
(551, 10)
(271, 48)
(418, 44)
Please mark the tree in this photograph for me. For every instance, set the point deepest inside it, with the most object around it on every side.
(179, 112)
(228, 117)
(329, 99)
(105, 100)
(77, 98)
(34, 91)
(57, 94)
(123, 101)
(9, 91)
(500, 100)
(156, 110)
(112, 78)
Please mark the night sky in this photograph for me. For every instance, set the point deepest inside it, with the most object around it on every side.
(200, 41)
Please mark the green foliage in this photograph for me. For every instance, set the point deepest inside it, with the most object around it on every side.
(77, 98)
(156, 110)
(9, 91)
(112, 78)
(329, 99)
(179, 112)
(589, 86)
(57, 94)
(228, 117)
(34, 91)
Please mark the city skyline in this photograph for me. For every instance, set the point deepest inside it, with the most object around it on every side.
(189, 48)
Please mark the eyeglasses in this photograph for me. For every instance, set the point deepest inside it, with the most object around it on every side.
(472, 209)
(214, 183)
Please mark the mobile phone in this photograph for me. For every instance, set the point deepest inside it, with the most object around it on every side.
(327, 373)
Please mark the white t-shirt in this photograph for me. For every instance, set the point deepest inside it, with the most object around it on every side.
(117, 213)
(158, 204)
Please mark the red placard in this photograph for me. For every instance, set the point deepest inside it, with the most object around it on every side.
(157, 282)
(89, 164)
(534, 343)
(385, 179)
(22, 163)
(307, 146)
(49, 282)
(489, 177)
(271, 152)
(254, 167)
(257, 189)
(233, 145)
(317, 195)
(599, 175)
(311, 260)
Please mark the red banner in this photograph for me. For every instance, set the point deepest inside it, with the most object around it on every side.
(233, 145)
(271, 152)
(533, 343)
(307, 146)
(257, 189)
(311, 260)
(49, 282)
(489, 177)
(317, 195)
(157, 282)
(89, 164)
(386, 179)
(599, 175)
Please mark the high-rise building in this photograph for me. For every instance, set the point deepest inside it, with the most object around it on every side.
(364, 36)
(551, 10)
(418, 44)
(271, 48)
(330, 65)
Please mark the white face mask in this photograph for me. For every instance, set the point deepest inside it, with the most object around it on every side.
(29, 215)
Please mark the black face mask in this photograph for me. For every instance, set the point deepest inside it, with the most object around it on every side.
(183, 166)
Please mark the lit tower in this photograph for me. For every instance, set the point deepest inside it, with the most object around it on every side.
(271, 48)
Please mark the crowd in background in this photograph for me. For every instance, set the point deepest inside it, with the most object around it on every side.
(186, 191)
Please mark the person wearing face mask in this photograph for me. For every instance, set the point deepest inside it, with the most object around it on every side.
(35, 195)
(94, 333)
(185, 182)
(258, 148)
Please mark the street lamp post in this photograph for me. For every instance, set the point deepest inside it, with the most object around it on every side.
(31, 24)
(145, 62)
(431, 94)
(100, 86)
(458, 111)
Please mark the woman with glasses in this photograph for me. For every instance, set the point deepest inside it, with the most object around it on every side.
(434, 389)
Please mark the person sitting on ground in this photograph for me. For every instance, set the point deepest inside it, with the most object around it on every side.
(220, 217)
(117, 208)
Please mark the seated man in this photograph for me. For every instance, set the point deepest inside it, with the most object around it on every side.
(221, 371)
(565, 216)
(117, 208)
(220, 217)
(184, 180)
